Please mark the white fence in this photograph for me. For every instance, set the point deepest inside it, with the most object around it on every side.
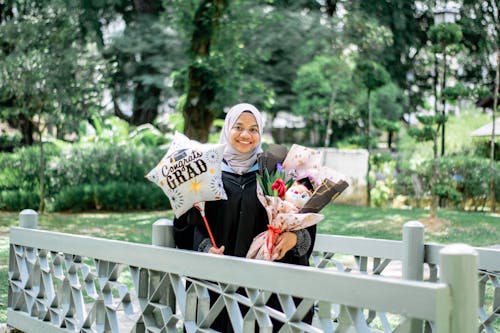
(413, 260)
(70, 283)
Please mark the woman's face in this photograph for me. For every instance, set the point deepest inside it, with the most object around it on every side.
(244, 135)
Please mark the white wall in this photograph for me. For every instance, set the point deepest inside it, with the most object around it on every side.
(353, 164)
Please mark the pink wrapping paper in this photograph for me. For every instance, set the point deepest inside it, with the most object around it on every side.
(283, 216)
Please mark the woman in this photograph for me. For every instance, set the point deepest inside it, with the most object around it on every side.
(236, 221)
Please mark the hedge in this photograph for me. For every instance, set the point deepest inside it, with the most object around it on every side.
(82, 177)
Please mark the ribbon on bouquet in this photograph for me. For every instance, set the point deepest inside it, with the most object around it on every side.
(272, 233)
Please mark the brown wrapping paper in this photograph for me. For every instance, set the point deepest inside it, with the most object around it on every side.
(328, 191)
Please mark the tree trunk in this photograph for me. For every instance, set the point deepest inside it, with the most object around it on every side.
(26, 128)
(147, 6)
(41, 208)
(331, 7)
(443, 103)
(331, 106)
(434, 198)
(492, 142)
(369, 145)
(146, 97)
(41, 166)
(146, 102)
(201, 91)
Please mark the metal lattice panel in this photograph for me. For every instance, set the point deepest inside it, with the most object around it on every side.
(489, 300)
(489, 286)
(367, 319)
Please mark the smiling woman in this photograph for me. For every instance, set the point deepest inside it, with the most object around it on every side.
(236, 221)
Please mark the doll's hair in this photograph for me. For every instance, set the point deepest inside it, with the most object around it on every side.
(306, 182)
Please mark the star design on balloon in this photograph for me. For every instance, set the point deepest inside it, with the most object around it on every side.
(196, 186)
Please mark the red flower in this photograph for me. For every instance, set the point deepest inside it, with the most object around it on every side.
(280, 187)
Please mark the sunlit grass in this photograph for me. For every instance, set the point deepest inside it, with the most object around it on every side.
(476, 229)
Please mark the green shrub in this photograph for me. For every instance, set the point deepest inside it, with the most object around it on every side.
(18, 200)
(19, 176)
(100, 164)
(148, 135)
(82, 176)
(74, 198)
(116, 196)
(461, 180)
(382, 178)
(482, 148)
(10, 142)
(19, 170)
(131, 196)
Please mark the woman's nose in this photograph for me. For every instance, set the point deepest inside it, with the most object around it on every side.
(246, 132)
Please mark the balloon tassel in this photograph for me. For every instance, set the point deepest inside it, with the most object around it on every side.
(201, 208)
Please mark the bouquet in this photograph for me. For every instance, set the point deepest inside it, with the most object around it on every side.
(293, 193)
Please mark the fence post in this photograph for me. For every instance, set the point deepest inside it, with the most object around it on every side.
(28, 218)
(413, 260)
(413, 251)
(458, 268)
(163, 235)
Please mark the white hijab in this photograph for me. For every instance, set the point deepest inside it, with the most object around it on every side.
(237, 161)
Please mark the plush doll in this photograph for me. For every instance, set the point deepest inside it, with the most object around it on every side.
(298, 194)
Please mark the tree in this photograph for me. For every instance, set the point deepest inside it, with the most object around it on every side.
(443, 37)
(492, 140)
(201, 80)
(481, 25)
(389, 106)
(141, 43)
(48, 77)
(372, 76)
(251, 53)
(429, 131)
(287, 36)
(407, 22)
(143, 57)
(325, 91)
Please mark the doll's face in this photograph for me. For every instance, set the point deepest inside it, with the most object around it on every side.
(298, 194)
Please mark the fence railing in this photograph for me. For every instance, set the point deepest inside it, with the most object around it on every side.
(70, 283)
(411, 259)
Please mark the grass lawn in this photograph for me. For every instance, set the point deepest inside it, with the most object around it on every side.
(477, 229)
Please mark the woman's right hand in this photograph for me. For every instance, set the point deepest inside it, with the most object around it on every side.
(216, 250)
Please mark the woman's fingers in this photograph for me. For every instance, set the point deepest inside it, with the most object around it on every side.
(217, 250)
(284, 243)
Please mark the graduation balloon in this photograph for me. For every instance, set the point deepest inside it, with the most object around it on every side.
(190, 173)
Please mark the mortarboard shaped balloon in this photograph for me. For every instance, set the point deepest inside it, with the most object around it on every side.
(190, 174)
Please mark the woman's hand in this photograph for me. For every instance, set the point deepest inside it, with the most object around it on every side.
(216, 250)
(284, 243)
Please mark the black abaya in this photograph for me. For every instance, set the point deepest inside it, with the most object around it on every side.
(234, 223)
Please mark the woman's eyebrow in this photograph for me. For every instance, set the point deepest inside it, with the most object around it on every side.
(241, 124)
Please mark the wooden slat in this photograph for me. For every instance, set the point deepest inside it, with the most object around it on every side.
(25, 323)
(359, 246)
(489, 259)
